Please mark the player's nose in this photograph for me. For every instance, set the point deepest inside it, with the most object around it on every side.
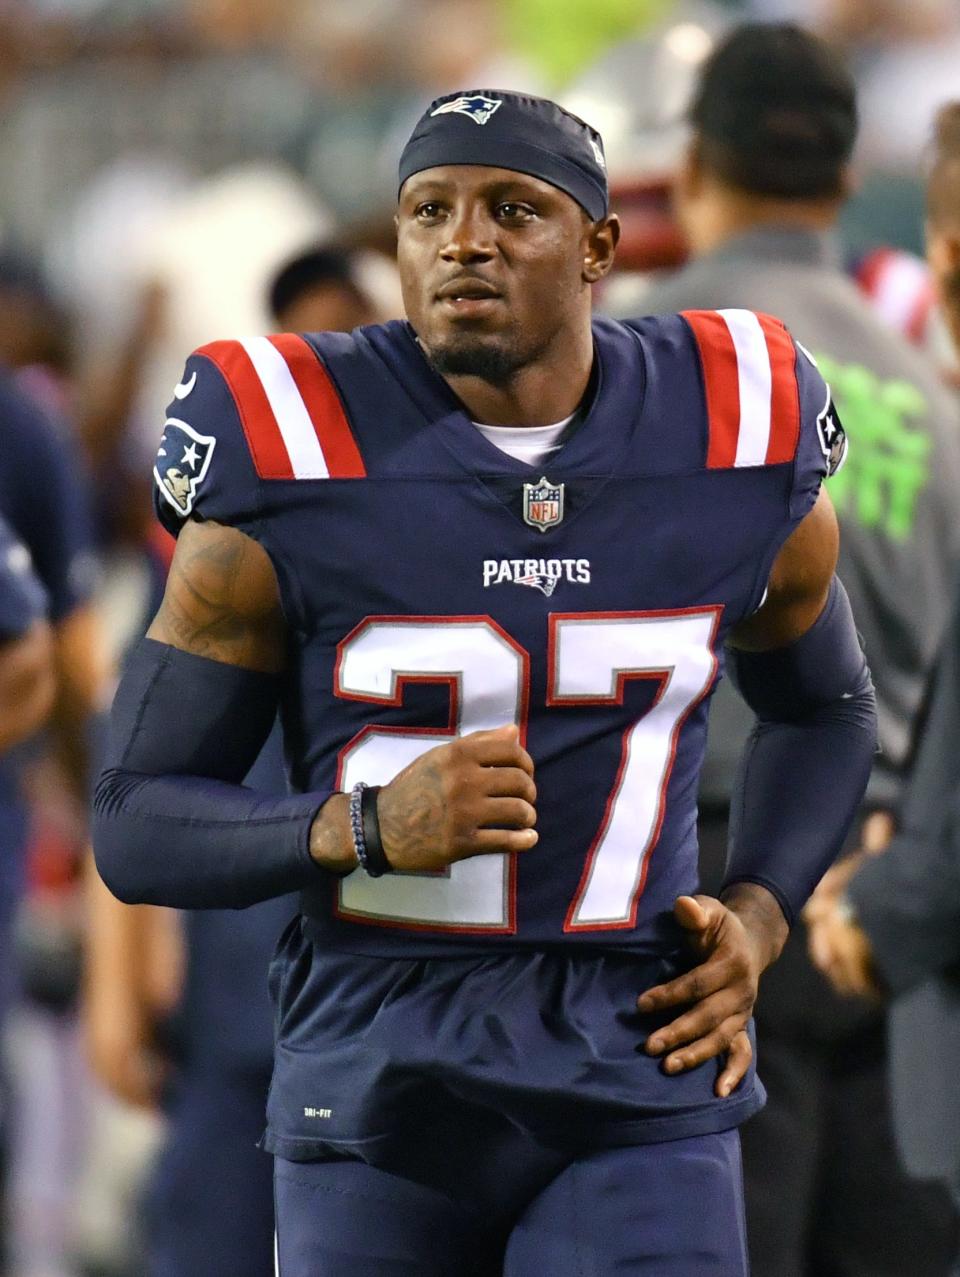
(469, 237)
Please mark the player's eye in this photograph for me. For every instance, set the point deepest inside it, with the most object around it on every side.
(514, 211)
(428, 211)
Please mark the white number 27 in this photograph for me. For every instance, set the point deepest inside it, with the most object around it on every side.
(590, 657)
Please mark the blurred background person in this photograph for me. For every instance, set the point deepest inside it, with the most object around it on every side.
(904, 60)
(43, 806)
(333, 289)
(887, 924)
(758, 196)
(26, 664)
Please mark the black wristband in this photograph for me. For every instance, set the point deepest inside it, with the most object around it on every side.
(377, 862)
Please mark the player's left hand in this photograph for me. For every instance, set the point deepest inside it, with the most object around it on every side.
(738, 939)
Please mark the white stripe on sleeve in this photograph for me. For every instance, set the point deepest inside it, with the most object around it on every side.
(754, 374)
(300, 439)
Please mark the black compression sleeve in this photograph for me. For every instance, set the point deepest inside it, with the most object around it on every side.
(172, 824)
(806, 763)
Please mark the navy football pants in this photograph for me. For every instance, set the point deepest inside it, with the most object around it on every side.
(654, 1210)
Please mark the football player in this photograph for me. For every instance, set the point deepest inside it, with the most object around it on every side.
(487, 562)
(26, 664)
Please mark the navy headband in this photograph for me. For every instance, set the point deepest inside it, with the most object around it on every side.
(512, 131)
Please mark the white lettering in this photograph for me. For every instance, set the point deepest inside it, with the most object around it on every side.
(535, 571)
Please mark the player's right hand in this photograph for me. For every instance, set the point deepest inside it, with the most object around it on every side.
(471, 797)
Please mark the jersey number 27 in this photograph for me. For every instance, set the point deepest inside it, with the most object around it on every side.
(589, 658)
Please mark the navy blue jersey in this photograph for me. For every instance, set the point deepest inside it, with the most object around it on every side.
(434, 585)
(22, 597)
(43, 496)
(43, 499)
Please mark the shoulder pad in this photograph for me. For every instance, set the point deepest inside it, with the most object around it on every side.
(749, 367)
(263, 408)
(289, 408)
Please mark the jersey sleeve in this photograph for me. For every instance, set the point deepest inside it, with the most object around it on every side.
(766, 403)
(247, 417)
(822, 443)
(22, 597)
(204, 468)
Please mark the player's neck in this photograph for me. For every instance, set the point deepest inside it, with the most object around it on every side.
(730, 214)
(547, 390)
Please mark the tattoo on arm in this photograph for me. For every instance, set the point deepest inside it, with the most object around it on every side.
(222, 600)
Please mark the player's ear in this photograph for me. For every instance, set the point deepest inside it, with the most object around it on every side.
(600, 247)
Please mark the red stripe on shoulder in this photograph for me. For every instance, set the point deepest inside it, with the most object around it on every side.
(322, 402)
(784, 392)
(260, 427)
(718, 358)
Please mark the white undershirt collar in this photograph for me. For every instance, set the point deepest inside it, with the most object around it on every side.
(530, 444)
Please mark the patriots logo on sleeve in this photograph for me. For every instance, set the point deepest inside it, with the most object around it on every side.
(183, 460)
(478, 108)
(833, 438)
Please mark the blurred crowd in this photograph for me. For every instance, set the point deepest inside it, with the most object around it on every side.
(174, 171)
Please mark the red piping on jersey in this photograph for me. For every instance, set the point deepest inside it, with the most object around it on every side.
(260, 427)
(721, 383)
(322, 402)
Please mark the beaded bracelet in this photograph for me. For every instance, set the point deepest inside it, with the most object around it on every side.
(365, 829)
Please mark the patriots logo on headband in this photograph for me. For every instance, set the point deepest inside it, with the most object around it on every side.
(183, 460)
(477, 108)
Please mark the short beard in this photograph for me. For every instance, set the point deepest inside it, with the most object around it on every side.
(489, 361)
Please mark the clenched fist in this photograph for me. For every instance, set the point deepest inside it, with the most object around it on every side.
(470, 797)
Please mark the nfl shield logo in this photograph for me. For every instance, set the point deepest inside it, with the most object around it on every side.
(542, 504)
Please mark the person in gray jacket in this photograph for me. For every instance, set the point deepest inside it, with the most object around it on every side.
(759, 193)
(890, 924)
